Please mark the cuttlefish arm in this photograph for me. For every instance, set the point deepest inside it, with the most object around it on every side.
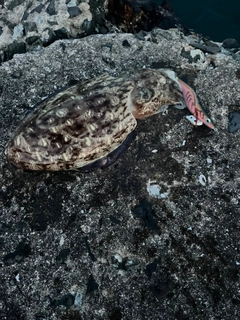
(194, 105)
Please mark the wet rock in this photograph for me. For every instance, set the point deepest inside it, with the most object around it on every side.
(74, 12)
(160, 257)
(74, 20)
(134, 16)
(205, 48)
(230, 43)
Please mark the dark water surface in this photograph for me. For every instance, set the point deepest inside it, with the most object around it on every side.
(218, 19)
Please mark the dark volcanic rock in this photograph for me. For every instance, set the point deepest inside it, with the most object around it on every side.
(51, 8)
(74, 12)
(63, 20)
(38, 9)
(30, 26)
(133, 16)
(153, 236)
(206, 48)
(230, 43)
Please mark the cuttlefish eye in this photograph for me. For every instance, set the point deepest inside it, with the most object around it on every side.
(142, 95)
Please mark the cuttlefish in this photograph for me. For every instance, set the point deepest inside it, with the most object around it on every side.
(88, 125)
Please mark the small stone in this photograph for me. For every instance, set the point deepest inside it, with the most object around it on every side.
(125, 43)
(233, 122)
(48, 36)
(38, 9)
(209, 43)
(71, 3)
(88, 26)
(209, 160)
(30, 26)
(197, 55)
(25, 16)
(62, 33)
(51, 8)
(202, 179)
(15, 47)
(230, 43)
(141, 35)
(103, 30)
(107, 45)
(78, 301)
(18, 31)
(31, 40)
(74, 12)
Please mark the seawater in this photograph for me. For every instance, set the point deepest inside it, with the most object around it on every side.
(218, 19)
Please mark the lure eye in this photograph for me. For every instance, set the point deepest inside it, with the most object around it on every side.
(208, 120)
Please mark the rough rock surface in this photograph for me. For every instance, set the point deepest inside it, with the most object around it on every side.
(26, 25)
(154, 236)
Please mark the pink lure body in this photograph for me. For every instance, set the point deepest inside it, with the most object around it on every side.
(194, 105)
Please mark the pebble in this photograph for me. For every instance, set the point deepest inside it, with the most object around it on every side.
(202, 179)
(233, 122)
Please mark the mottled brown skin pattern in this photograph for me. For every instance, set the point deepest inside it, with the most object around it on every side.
(85, 123)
